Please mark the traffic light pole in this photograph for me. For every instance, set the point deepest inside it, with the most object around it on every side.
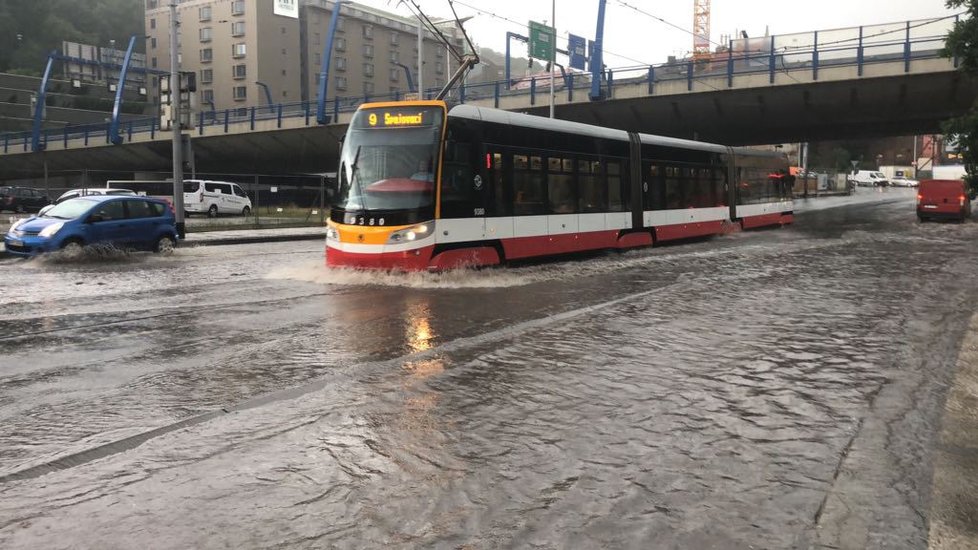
(175, 97)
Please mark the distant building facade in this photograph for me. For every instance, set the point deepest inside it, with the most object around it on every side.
(233, 45)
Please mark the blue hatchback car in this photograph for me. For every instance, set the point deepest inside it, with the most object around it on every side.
(121, 221)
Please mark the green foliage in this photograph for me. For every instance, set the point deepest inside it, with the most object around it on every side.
(962, 43)
(44, 24)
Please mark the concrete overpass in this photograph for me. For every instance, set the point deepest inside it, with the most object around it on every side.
(900, 87)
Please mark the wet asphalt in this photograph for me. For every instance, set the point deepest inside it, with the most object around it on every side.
(780, 388)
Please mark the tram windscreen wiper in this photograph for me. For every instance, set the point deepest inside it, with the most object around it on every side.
(353, 176)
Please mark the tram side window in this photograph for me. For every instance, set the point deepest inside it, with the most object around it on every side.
(674, 197)
(720, 186)
(458, 195)
(653, 190)
(592, 193)
(529, 197)
(499, 204)
(704, 195)
(560, 184)
(616, 202)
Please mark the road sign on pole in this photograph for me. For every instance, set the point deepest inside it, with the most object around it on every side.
(576, 49)
(542, 40)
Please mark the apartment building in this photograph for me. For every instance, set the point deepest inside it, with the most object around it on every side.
(247, 52)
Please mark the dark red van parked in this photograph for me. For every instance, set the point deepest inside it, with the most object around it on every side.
(943, 200)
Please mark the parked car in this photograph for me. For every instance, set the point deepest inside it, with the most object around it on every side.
(74, 193)
(943, 199)
(122, 221)
(903, 181)
(22, 199)
(870, 178)
(214, 198)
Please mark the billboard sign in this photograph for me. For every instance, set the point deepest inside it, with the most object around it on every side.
(541, 41)
(576, 46)
(287, 8)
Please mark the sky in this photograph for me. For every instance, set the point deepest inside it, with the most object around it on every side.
(642, 32)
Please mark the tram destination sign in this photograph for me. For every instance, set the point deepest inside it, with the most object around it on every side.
(397, 118)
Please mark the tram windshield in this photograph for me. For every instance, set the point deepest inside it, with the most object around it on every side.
(389, 160)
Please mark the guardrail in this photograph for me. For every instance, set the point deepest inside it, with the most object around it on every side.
(795, 55)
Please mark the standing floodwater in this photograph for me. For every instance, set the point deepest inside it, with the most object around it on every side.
(769, 389)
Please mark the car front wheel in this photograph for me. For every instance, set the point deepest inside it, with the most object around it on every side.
(164, 245)
(72, 248)
(246, 212)
(212, 211)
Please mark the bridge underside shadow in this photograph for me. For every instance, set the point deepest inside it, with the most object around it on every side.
(811, 111)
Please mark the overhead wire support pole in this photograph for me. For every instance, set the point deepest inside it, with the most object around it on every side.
(597, 65)
(120, 86)
(175, 97)
(553, 51)
(321, 116)
(39, 102)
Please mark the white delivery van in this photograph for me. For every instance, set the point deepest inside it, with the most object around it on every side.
(214, 198)
(871, 178)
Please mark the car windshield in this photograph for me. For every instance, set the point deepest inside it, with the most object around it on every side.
(69, 209)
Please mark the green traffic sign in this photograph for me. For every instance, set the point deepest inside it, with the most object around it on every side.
(542, 38)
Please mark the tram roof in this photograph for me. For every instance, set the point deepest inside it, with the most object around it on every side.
(556, 125)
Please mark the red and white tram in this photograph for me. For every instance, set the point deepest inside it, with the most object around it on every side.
(422, 187)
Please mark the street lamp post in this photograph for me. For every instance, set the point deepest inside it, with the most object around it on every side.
(175, 123)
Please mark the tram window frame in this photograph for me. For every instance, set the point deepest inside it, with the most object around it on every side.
(654, 197)
(529, 185)
(673, 185)
(592, 191)
(561, 186)
(499, 203)
(614, 168)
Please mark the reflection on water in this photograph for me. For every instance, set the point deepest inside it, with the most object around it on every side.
(417, 325)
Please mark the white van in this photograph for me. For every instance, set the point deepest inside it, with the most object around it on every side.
(869, 177)
(214, 198)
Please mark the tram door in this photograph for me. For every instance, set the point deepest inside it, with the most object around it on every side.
(463, 185)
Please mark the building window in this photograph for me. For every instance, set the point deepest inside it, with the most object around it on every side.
(340, 63)
(341, 83)
(240, 71)
(207, 96)
(368, 32)
(151, 4)
(316, 59)
(341, 44)
(237, 7)
(240, 93)
(238, 50)
(152, 42)
(439, 67)
(205, 34)
(368, 69)
(395, 74)
(341, 24)
(206, 76)
(394, 38)
(152, 62)
(395, 57)
(368, 50)
(368, 88)
(315, 38)
(204, 13)
(284, 72)
(206, 55)
(238, 28)
(152, 23)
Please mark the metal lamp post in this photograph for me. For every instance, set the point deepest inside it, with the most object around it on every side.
(175, 123)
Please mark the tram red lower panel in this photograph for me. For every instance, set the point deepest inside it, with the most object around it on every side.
(688, 230)
(548, 245)
(764, 220)
(411, 260)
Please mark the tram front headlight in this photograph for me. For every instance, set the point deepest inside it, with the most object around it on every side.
(408, 234)
(332, 234)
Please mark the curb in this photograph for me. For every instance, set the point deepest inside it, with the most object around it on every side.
(220, 241)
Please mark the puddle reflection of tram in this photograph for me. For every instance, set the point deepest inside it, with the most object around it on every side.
(509, 186)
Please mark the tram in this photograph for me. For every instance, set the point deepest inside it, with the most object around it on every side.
(422, 186)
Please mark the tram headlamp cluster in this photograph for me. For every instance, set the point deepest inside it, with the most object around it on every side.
(332, 234)
(408, 234)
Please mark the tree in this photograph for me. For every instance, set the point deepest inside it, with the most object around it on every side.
(962, 43)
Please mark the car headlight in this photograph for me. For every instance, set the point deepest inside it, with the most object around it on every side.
(17, 224)
(50, 230)
(332, 234)
(408, 234)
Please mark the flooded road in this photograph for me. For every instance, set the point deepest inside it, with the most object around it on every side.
(767, 389)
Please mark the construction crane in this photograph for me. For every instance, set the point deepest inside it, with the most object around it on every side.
(701, 29)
